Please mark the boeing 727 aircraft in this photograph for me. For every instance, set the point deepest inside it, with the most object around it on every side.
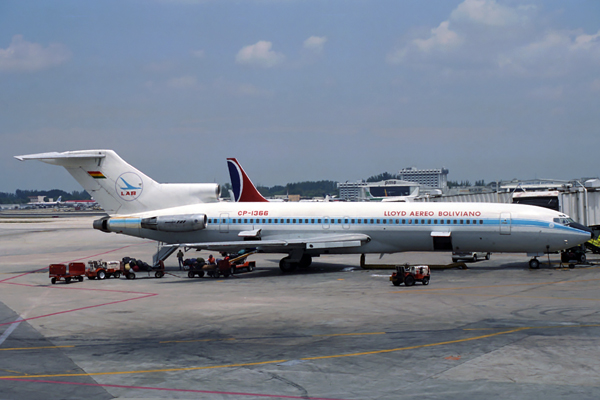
(191, 215)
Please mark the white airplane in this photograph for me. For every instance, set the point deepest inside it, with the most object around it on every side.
(46, 203)
(192, 216)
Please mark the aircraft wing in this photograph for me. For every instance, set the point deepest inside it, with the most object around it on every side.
(314, 242)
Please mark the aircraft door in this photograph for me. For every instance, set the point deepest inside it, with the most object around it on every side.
(505, 223)
(325, 222)
(224, 223)
(346, 223)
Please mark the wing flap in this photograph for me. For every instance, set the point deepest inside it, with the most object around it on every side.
(314, 242)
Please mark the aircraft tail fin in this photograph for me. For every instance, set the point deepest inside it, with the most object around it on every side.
(59, 200)
(120, 188)
(243, 189)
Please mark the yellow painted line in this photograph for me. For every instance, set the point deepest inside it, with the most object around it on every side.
(147, 371)
(35, 348)
(183, 369)
(365, 353)
(199, 340)
(351, 334)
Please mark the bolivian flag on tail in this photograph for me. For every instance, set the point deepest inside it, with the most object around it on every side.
(96, 174)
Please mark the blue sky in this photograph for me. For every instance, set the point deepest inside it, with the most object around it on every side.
(301, 89)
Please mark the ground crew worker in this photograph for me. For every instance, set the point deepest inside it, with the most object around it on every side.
(211, 260)
(180, 258)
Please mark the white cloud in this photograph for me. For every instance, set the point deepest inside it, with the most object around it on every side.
(557, 53)
(23, 56)
(487, 12)
(441, 38)
(315, 43)
(259, 55)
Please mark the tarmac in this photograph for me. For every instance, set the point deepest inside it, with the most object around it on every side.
(332, 331)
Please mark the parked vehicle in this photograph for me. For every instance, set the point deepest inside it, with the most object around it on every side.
(410, 274)
(470, 255)
(74, 270)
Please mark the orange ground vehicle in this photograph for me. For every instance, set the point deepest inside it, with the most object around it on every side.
(74, 270)
(103, 269)
(410, 274)
(224, 268)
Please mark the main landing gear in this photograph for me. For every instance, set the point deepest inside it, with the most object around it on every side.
(287, 265)
(534, 263)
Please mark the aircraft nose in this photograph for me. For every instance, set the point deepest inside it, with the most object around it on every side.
(582, 228)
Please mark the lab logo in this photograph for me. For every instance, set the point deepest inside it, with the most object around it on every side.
(129, 186)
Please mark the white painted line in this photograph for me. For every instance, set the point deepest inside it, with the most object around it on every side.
(10, 330)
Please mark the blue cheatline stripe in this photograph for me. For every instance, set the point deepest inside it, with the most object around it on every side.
(385, 221)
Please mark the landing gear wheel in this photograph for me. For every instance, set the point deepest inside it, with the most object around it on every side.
(409, 280)
(425, 281)
(534, 263)
(101, 274)
(286, 266)
(581, 258)
(191, 274)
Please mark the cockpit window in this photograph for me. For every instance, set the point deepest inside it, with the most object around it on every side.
(564, 221)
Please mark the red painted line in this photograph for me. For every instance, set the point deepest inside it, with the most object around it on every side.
(272, 396)
(79, 309)
(78, 259)
(142, 295)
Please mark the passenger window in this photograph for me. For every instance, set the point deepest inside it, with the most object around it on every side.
(403, 221)
(480, 222)
(293, 221)
(352, 221)
(319, 221)
(416, 221)
(428, 222)
(384, 221)
(269, 220)
(245, 221)
(371, 222)
(455, 222)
